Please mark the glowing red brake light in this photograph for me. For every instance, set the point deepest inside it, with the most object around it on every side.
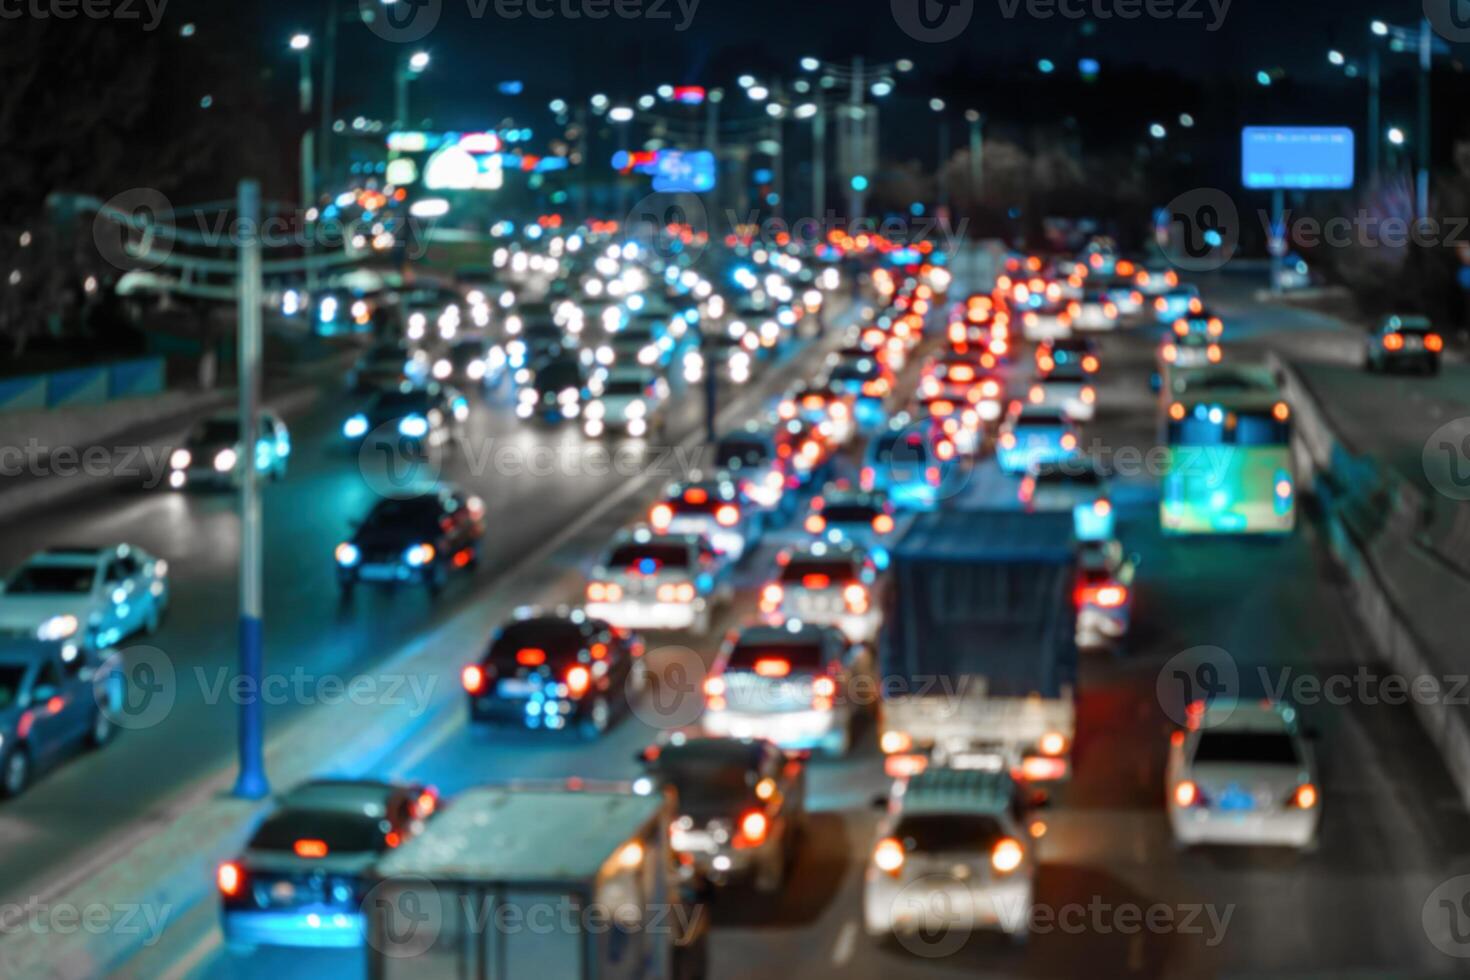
(883, 524)
(1111, 596)
(772, 667)
(661, 516)
(753, 827)
(816, 581)
(727, 515)
(473, 678)
(531, 657)
(310, 848)
(696, 495)
(579, 679)
(229, 877)
(1433, 342)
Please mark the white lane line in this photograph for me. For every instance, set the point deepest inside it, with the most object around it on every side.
(846, 942)
(196, 955)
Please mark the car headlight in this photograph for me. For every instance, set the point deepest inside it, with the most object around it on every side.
(355, 426)
(413, 426)
(442, 368)
(347, 554)
(512, 324)
(225, 460)
(636, 409)
(57, 628)
(596, 410)
(181, 459)
(419, 555)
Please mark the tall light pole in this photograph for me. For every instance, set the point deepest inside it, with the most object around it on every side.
(411, 67)
(1419, 40)
(942, 184)
(251, 781)
(301, 44)
(976, 121)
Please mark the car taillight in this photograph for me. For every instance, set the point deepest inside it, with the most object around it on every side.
(473, 678)
(230, 878)
(1171, 353)
(426, 804)
(753, 828)
(771, 597)
(865, 478)
(1393, 341)
(888, 856)
(1036, 395)
(1053, 743)
(883, 523)
(1006, 856)
(1088, 395)
(1433, 342)
(676, 592)
(1102, 508)
(579, 679)
(1305, 796)
(990, 389)
(310, 848)
(1186, 793)
(1110, 311)
(816, 524)
(661, 516)
(728, 515)
(604, 591)
(772, 667)
(1110, 596)
(824, 687)
(1042, 768)
(894, 742)
(1214, 353)
(714, 687)
(856, 597)
(1069, 441)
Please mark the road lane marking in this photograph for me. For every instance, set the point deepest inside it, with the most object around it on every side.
(846, 943)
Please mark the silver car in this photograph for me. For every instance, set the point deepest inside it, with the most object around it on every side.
(659, 581)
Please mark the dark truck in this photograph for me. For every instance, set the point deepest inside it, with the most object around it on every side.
(977, 656)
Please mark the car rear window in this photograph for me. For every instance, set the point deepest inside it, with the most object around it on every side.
(341, 832)
(1252, 748)
(706, 784)
(811, 571)
(906, 448)
(799, 657)
(948, 832)
(849, 513)
(558, 641)
(649, 558)
(52, 579)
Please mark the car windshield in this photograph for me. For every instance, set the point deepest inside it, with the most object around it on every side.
(1040, 422)
(903, 448)
(11, 676)
(559, 374)
(52, 579)
(213, 431)
(341, 832)
(849, 513)
(948, 832)
(1246, 748)
(1067, 476)
(401, 402)
(419, 514)
(557, 641)
(819, 573)
(798, 656)
(1233, 429)
(707, 783)
(628, 386)
(649, 558)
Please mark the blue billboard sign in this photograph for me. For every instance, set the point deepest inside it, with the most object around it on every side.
(1296, 157)
(680, 171)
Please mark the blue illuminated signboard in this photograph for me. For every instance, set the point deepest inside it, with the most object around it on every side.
(679, 171)
(1296, 157)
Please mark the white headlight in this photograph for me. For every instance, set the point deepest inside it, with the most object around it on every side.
(57, 628)
(181, 459)
(225, 460)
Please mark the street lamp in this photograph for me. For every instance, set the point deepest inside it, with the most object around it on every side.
(1157, 131)
(620, 114)
(1418, 40)
(810, 64)
(418, 61)
(941, 183)
(300, 42)
(1396, 136)
(1380, 28)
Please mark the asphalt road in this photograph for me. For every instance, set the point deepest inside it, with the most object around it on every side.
(1391, 832)
(535, 483)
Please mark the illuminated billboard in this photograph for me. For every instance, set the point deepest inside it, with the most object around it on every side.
(1296, 157)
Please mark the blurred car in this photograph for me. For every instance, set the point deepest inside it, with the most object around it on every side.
(1031, 435)
(795, 683)
(1051, 319)
(958, 421)
(210, 455)
(555, 670)
(1201, 321)
(824, 405)
(470, 359)
(1156, 278)
(1401, 342)
(751, 458)
(1123, 293)
(1066, 387)
(413, 416)
(904, 463)
(304, 873)
(95, 597)
(420, 539)
(341, 311)
(1177, 301)
(1096, 311)
(384, 366)
(827, 583)
(1075, 485)
(634, 400)
(864, 517)
(1065, 352)
(866, 381)
(659, 581)
(710, 507)
(556, 390)
(639, 343)
(954, 851)
(53, 697)
(742, 807)
(731, 355)
(1243, 773)
(955, 375)
(1193, 350)
(1104, 594)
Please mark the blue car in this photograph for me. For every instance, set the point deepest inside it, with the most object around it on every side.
(904, 463)
(1033, 435)
(302, 878)
(52, 700)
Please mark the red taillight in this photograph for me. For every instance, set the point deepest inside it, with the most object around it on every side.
(883, 524)
(473, 678)
(1089, 364)
(696, 495)
(1006, 856)
(1102, 508)
(856, 597)
(824, 687)
(1186, 793)
(1433, 342)
(1393, 341)
(310, 848)
(229, 877)
(865, 478)
(1111, 596)
(531, 656)
(1305, 796)
(661, 516)
(816, 581)
(753, 827)
(888, 856)
(772, 667)
(771, 597)
(816, 524)
(727, 515)
(426, 804)
(579, 679)
(1040, 768)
